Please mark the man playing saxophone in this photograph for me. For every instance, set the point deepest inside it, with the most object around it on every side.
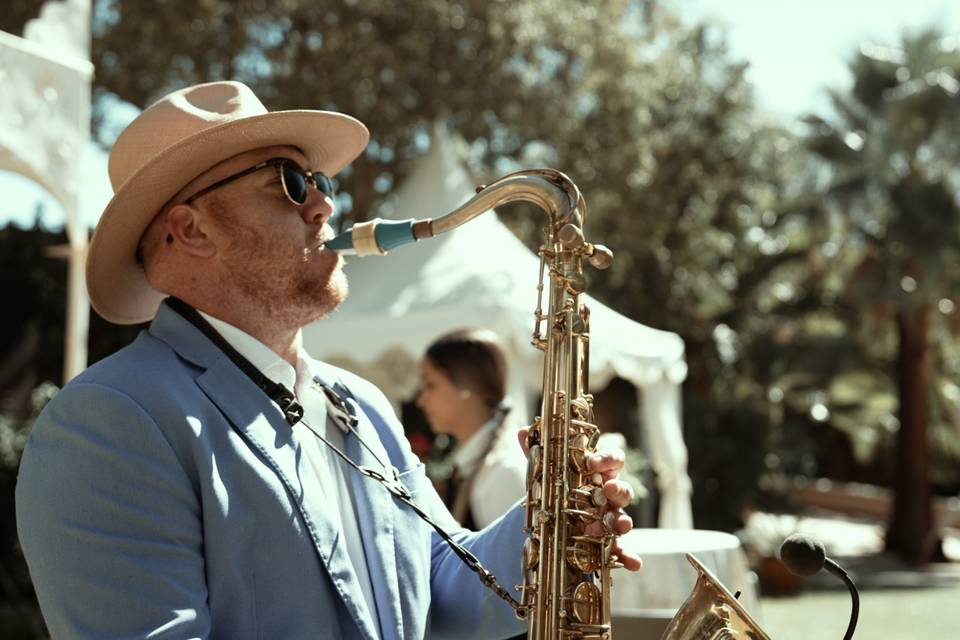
(211, 480)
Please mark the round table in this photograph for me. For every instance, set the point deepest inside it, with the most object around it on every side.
(667, 578)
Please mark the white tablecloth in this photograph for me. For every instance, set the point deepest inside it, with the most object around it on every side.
(667, 578)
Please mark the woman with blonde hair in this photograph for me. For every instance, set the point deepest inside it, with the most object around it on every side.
(463, 395)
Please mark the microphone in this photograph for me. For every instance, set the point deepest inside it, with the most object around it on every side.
(802, 555)
(805, 556)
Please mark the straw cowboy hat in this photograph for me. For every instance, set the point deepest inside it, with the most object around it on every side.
(171, 143)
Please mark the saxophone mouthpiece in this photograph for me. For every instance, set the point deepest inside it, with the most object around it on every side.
(377, 236)
(342, 243)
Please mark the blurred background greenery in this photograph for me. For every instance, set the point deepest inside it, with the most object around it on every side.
(812, 271)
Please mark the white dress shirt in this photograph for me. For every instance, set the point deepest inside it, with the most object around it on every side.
(330, 470)
(501, 476)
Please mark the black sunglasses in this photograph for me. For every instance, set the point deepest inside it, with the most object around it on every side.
(293, 179)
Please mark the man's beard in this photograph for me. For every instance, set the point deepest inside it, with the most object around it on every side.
(319, 301)
(283, 281)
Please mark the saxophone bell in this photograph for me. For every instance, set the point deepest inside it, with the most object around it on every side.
(710, 612)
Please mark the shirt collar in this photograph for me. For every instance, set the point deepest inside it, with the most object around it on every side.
(265, 359)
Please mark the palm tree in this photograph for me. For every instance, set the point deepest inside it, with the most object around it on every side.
(891, 153)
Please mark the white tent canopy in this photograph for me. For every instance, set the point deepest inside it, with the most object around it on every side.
(481, 275)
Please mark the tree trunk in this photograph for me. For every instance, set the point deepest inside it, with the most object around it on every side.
(910, 534)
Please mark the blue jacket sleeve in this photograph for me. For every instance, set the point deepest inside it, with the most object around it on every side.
(462, 606)
(110, 523)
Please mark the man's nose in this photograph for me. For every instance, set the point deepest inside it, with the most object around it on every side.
(318, 208)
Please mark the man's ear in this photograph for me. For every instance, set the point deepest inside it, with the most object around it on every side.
(186, 227)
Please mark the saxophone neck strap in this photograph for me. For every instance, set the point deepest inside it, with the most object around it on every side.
(277, 392)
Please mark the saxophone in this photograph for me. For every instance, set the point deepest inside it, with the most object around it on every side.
(568, 555)
(565, 593)
(566, 589)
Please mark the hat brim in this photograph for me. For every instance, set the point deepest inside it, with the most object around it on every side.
(116, 282)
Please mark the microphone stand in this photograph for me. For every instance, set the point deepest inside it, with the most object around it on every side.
(836, 570)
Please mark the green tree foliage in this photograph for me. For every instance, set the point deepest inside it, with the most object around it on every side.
(683, 181)
(891, 154)
(500, 71)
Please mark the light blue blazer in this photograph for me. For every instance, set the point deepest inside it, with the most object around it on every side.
(162, 495)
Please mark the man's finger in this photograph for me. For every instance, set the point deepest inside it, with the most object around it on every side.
(616, 521)
(619, 494)
(630, 561)
(522, 437)
(607, 463)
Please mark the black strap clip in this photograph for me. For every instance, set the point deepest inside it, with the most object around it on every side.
(391, 483)
(341, 412)
(292, 410)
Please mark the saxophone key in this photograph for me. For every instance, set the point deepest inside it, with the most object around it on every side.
(586, 599)
(597, 497)
(583, 555)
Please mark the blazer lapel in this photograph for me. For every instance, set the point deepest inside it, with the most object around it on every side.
(264, 428)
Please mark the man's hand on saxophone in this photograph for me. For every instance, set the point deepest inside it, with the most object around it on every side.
(619, 494)
(608, 463)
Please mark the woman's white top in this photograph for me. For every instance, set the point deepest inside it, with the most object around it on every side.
(501, 477)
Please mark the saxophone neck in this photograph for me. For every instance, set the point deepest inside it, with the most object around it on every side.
(550, 190)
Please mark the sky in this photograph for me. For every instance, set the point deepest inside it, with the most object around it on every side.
(795, 50)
